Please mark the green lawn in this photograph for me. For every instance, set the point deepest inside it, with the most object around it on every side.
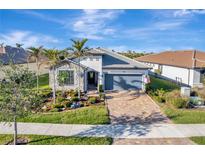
(44, 81)
(157, 83)
(184, 116)
(59, 140)
(87, 115)
(198, 140)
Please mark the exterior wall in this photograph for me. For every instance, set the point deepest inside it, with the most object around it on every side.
(197, 78)
(95, 64)
(31, 66)
(189, 77)
(176, 72)
(70, 66)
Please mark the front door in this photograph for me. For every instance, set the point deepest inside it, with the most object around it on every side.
(92, 80)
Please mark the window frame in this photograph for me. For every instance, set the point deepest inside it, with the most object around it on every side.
(73, 76)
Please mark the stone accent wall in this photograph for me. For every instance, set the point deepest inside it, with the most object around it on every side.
(70, 66)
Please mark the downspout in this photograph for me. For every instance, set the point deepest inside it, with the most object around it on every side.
(194, 61)
(189, 77)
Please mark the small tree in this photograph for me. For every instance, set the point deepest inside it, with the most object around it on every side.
(17, 98)
(53, 56)
(36, 53)
(62, 77)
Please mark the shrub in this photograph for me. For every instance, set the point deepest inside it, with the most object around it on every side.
(68, 104)
(92, 100)
(73, 93)
(54, 110)
(100, 88)
(60, 99)
(160, 95)
(176, 100)
(58, 106)
(179, 102)
(160, 99)
(102, 96)
(45, 92)
(75, 99)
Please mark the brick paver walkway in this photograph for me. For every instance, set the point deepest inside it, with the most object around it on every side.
(151, 141)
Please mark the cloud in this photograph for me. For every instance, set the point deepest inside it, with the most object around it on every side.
(43, 16)
(94, 24)
(184, 12)
(27, 38)
(154, 28)
(119, 48)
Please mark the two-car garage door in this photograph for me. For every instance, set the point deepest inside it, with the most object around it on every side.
(123, 82)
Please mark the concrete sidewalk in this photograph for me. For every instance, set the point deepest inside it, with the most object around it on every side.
(114, 131)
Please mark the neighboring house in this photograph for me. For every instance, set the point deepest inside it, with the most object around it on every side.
(102, 67)
(19, 56)
(187, 67)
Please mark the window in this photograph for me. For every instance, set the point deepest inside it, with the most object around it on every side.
(66, 77)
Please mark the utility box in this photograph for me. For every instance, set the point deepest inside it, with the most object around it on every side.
(185, 91)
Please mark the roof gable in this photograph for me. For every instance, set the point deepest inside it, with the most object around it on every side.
(121, 61)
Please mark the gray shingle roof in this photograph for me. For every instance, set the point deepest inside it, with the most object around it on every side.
(131, 62)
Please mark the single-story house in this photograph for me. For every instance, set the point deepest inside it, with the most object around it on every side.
(187, 67)
(19, 56)
(101, 67)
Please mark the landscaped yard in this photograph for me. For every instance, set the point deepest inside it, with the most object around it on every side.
(198, 140)
(88, 115)
(179, 116)
(58, 140)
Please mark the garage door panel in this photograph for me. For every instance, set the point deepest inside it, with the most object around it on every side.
(123, 82)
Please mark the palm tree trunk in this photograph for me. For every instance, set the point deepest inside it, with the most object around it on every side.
(37, 77)
(79, 76)
(15, 130)
(54, 86)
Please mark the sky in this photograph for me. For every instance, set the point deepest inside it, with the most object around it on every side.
(120, 30)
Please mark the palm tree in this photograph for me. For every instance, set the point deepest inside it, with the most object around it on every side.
(36, 53)
(79, 50)
(53, 60)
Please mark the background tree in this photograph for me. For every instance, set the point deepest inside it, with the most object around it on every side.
(18, 45)
(17, 98)
(79, 50)
(53, 60)
(36, 54)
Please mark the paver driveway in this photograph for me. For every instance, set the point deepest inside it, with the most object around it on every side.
(131, 107)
